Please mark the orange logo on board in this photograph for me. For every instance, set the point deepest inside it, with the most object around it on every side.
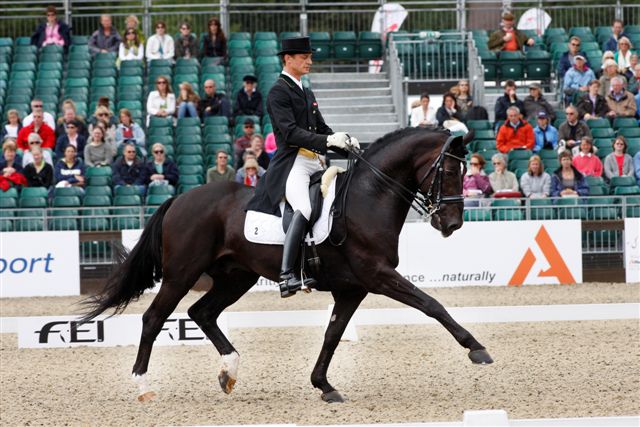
(557, 267)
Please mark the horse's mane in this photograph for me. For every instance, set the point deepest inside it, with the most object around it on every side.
(394, 137)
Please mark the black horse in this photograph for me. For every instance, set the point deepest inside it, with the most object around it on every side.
(201, 231)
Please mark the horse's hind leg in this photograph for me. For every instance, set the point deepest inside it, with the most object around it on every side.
(227, 289)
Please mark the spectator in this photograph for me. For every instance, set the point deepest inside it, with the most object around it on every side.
(568, 59)
(257, 148)
(213, 104)
(161, 102)
(607, 55)
(577, 79)
(131, 48)
(249, 99)
(129, 132)
(508, 38)
(69, 116)
(12, 127)
(476, 182)
(160, 45)
(243, 142)
(423, 115)
(73, 138)
(187, 102)
(515, 133)
(106, 38)
(448, 112)
(631, 71)
(617, 30)
(586, 160)
(623, 55)
(103, 116)
(98, 151)
(37, 105)
(535, 182)
(132, 23)
(215, 42)
(129, 171)
(509, 99)
(251, 173)
(38, 126)
(221, 171)
(464, 100)
(620, 101)
(160, 170)
(567, 181)
(187, 43)
(636, 166)
(618, 163)
(10, 166)
(502, 180)
(546, 136)
(52, 32)
(69, 170)
(38, 173)
(592, 105)
(634, 81)
(572, 131)
(35, 142)
(610, 70)
(535, 102)
(241, 173)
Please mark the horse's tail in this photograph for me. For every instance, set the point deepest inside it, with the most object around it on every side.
(134, 272)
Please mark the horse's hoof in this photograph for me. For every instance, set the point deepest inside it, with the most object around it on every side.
(480, 357)
(332, 397)
(226, 382)
(147, 397)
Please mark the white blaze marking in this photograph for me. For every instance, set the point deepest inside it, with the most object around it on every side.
(230, 364)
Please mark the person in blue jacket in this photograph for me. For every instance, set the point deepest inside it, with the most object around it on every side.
(568, 59)
(70, 169)
(545, 134)
(617, 29)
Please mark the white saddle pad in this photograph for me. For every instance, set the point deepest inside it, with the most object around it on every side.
(266, 229)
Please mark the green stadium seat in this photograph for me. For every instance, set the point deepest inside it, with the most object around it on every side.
(601, 208)
(68, 192)
(625, 191)
(369, 45)
(217, 138)
(511, 65)
(126, 211)
(189, 122)
(196, 169)
(239, 44)
(622, 181)
(541, 209)
(98, 190)
(240, 36)
(570, 208)
(216, 120)
(633, 207)
(264, 35)
(477, 214)
(603, 132)
(344, 45)
(625, 122)
(157, 199)
(598, 123)
(479, 124)
(161, 190)
(507, 210)
(538, 64)
(190, 180)
(189, 149)
(629, 132)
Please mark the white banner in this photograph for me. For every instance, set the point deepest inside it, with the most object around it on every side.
(632, 249)
(492, 253)
(39, 264)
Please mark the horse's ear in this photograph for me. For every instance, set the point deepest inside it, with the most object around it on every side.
(468, 137)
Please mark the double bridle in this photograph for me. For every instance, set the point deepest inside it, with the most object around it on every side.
(421, 202)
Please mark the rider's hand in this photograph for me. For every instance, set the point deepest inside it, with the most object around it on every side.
(353, 143)
(338, 139)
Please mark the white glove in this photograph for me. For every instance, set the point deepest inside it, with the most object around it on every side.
(338, 139)
(353, 143)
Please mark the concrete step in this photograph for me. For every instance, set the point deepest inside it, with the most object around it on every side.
(319, 77)
(350, 84)
(351, 93)
(372, 118)
(363, 109)
(353, 101)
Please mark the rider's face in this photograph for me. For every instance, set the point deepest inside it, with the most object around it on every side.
(299, 64)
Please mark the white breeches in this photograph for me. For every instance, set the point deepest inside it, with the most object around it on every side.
(297, 189)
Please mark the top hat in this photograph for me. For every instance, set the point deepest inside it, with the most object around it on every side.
(294, 45)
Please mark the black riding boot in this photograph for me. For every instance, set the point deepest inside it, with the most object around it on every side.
(289, 283)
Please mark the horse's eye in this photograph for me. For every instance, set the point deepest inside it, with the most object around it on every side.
(449, 172)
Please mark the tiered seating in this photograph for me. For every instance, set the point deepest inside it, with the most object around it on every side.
(345, 45)
(189, 154)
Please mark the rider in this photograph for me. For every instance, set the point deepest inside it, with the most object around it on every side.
(301, 135)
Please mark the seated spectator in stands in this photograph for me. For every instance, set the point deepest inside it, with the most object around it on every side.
(250, 173)
(592, 105)
(160, 170)
(476, 182)
(213, 104)
(636, 166)
(618, 163)
(105, 102)
(243, 142)
(132, 23)
(69, 116)
(36, 105)
(257, 148)
(586, 160)
(545, 134)
(423, 115)
(502, 180)
(105, 118)
(535, 182)
(128, 170)
(567, 181)
(38, 172)
(69, 170)
(98, 151)
(106, 38)
(12, 127)
(464, 100)
(508, 38)
(623, 55)
(215, 42)
(160, 45)
(515, 133)
(630, 73)
(249, 99)
(52, 32)
(129, 132)
(187, 44)
(161, 102)
(35, 142)
(131, 48)
(241, 173)
(535, 102)
(38, 126)
(73, 138)
(568, 59)
(447, 111)
(634, 81)
(607, 55)
(221, 171)
(617, 29)
(509, 99)
(610, 70)
(187, 102)
(620, 101)
(577, 79)
(10, 166)
(570, 133)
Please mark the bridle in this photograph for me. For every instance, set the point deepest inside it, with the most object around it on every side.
(423, 203)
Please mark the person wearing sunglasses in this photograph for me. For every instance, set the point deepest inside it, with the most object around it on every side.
(129, 171)
(39, 127)
(52, 32)
(221, 172)
(187, 43)
(568, 59)
(131, 22)
(476, 182)
(35, 142)
(38, 105)
(104, 116)
(72, 137)
(160, 45)
(131, 48)
(161, 102)
(106, 38)
(129, 132)
(160, 170)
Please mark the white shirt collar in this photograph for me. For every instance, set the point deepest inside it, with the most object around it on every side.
(296, 81)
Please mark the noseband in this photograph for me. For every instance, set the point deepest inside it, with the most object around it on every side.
(423, 203)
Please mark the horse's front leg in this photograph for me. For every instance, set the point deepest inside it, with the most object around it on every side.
(389, 282)
(346, 303)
